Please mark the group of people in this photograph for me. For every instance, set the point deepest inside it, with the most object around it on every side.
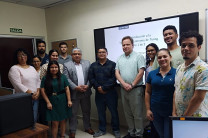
(176, 85)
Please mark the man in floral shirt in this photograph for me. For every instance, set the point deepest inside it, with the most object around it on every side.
(191, 81)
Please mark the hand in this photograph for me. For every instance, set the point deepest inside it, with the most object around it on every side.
(70, 103)
(35, 95)
(174, 114)
(80, 88)
(127, 87)
(100, 90)
(49, 106)
(150, 115)
(85, 87)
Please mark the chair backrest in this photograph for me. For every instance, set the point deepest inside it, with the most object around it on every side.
(6, 91)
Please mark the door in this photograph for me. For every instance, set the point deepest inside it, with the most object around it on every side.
(7, 48)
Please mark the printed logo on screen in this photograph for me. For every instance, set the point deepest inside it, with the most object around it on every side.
(123, 27)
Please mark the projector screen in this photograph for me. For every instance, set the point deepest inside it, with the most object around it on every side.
(143, 33)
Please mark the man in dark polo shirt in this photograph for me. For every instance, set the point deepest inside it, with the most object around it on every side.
(102, 77)
(41, 48)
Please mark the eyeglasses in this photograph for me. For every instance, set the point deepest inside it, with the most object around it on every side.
(36, 61)
(77, 54)
(103, 52)
(150, 51)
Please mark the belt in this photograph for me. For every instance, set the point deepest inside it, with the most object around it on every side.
(57, 93)
(138, 86)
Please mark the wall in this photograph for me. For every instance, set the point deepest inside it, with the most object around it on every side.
(30, 20)
(78, 18)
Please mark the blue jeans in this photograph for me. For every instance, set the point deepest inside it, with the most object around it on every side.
(161, 124)
(35, 109)
(110, 101)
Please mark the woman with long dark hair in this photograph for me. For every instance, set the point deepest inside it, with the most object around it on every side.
(56, 93)
(151, 51)
(53, 56)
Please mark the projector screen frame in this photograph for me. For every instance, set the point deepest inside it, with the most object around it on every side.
(184, 25)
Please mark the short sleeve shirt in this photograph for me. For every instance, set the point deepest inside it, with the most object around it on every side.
(162, 90)
(129, 66)
(187, 80)
(176, 60)
(61, 60)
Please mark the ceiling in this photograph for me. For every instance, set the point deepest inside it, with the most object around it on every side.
(37, 3)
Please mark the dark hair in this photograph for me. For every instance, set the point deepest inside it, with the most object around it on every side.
(189, 34)
(41, 41)
(51, 52)
(15, 58)
(164, 49)
(170, 27)
(35, 56)
(156, 49)
(63, 43)
(102, 48)
(49, 78)
(128, 37)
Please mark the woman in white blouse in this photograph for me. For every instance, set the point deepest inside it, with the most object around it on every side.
(25, 78)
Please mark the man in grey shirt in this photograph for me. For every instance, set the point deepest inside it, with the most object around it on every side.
(130, 68)
(64, 56)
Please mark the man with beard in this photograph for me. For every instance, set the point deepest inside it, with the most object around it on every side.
(41, 47)
(170, 37)
(64, 56)
(191, 81)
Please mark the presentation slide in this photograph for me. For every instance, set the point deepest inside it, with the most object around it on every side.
(143, 34)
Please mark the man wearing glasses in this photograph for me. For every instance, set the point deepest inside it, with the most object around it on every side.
(102, 77)
(76, 72)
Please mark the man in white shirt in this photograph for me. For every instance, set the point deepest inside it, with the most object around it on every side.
(76, 72)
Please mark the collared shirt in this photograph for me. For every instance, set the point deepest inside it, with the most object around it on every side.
(177, 59)
(162, 90)
(43, 69)
(61, 60)
(103, 75)
(80, 75)
(129, 66)
(45, 59)
(187, 80)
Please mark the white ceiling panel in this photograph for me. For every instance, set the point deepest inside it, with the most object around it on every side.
(37, 3)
